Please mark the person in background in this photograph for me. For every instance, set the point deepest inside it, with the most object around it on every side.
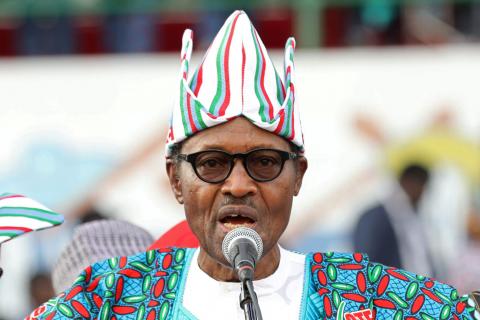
(391, 232)
(468, 278)
(40, 288)
(95, 241)
(92, 214)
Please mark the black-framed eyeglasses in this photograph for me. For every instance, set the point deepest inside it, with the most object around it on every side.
(215, 166)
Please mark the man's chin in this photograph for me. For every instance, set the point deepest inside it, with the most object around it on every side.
(214, 240)
(216, 257)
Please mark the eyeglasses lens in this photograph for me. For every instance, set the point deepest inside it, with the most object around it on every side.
(262, 165)
(213, 166)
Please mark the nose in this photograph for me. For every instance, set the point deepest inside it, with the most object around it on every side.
(239, 184)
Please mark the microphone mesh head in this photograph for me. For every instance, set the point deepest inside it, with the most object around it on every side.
(95, 241)
(241, 232)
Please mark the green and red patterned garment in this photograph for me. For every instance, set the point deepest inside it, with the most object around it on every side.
(336, 286)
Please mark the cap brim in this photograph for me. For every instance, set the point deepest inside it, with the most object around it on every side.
(20, 215)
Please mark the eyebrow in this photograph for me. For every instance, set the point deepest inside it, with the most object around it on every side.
(221, 148)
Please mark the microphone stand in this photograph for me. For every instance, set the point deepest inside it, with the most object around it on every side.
(246, 303)
(249, 301)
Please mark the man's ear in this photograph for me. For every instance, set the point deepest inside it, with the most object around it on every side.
(302, 165)
(175, 183)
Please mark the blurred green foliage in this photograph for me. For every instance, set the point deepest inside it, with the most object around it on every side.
(13, 8)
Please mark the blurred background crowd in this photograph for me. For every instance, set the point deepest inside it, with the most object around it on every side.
(29, 27)
(389, 100)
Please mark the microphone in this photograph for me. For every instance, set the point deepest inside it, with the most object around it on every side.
(243, 247)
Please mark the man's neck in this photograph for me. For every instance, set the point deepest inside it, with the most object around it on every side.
(264, 268)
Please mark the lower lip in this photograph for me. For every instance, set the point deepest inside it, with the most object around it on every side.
(227, 227)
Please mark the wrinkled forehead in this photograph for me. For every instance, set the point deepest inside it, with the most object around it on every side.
(237, 135)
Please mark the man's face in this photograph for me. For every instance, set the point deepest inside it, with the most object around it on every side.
(212, 210)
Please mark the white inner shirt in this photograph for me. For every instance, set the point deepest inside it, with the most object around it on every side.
(279, 295)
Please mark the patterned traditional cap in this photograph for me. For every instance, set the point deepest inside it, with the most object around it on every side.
(95, 241)
(235, 78)
(20, 215)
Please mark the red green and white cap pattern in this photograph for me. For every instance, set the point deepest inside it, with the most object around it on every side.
(20, 215)
(235, 78)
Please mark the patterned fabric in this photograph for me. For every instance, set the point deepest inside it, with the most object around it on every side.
(142, 286)
(20, 215)
(235, 78)
(343, 284)
(337, 286)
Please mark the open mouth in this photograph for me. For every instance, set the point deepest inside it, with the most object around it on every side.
(233, 216)
(237, 220)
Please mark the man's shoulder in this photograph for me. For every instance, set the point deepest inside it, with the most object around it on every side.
(158, 261)
(122, 283)
(340, 259)
(375, 218)
(376, 211)
(344, 283)
(133, 275)
(340, 271)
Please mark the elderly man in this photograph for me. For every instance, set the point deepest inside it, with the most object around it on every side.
(235, 159)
